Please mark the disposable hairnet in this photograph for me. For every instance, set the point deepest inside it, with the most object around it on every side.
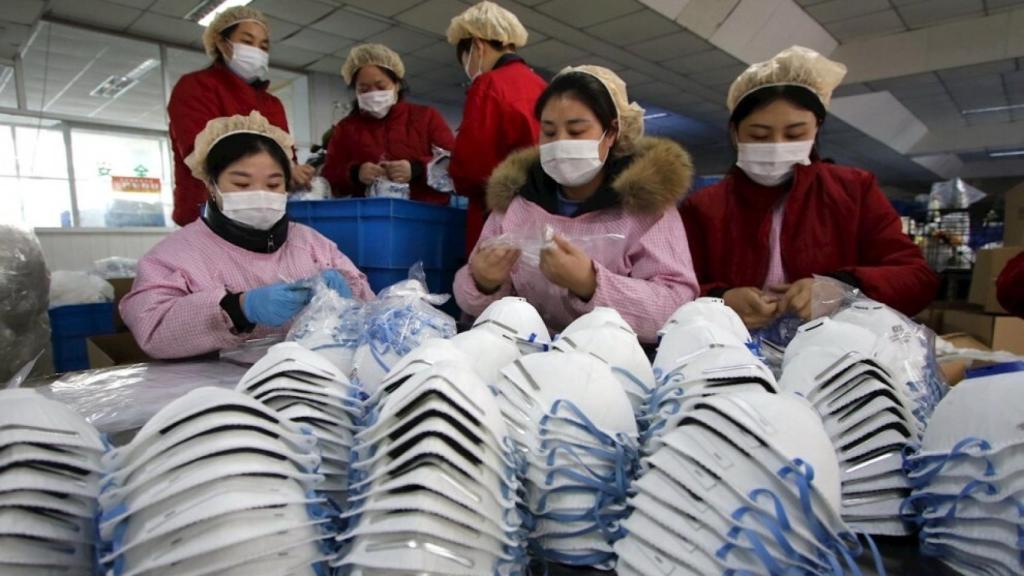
(794, 66)
(227, 19)
(219, 128)
(488, 21)
(371, 55)
(630, 114)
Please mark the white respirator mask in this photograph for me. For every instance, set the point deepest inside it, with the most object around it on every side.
(377, 103)
(249, 62)
(572, 162)
(772, 164)
(259, 209)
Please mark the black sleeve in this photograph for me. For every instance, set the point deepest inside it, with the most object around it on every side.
(353, 174)
(717, 292)
(845, 277)
(232, 304)
(419, 170)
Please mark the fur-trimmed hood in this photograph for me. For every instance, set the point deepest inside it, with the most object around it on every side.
(658, 177)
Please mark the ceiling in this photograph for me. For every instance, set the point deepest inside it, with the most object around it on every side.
(677, 56)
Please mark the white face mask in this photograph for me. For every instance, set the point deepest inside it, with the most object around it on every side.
(469, 58)
(259, 209)
(249, 62)
(772, 164)
(572, 162)
(378, 103)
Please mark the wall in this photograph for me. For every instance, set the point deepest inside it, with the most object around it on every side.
(78, 248)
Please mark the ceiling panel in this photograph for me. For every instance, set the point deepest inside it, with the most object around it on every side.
(671, 46)
(701, 62)
(279, 29)
(327, 65)
(175, 8)
(291, 57)
(315, 41)
(433, 15)
(302, 12)
(12, 38)
(875, 24)
(835, 10)
(440, 52)
(634, 28)
(351, 25)
(383, 7)
(176, 30)
(21, 11)
(404, 41)
(597, 11)
(932, 12)
(552, 55)
(967, 72)
(140, 4)
(97, 12)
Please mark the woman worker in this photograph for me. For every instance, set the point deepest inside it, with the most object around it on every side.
(385, 136)
(237, 273)
(498, 116)
(594, 174)
(238, 40)
(782, 216)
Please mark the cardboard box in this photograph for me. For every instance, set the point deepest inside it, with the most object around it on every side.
(114, 350)
(1013, 233)
(997, 332)
(122, 286)
(955, 371)
(987, 267)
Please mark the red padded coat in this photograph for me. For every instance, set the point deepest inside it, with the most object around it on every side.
(1010, 286)
(837, 222)
(197, 98)
(496, 121)
(406, 133)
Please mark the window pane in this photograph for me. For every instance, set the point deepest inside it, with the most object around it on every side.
(93, 75)
(8, 88)
(36, 202)
(40, 152)
(8, 167)
(121, 179)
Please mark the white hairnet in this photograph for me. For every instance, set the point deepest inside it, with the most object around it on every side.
(227, 19)
(371, 55)
(220, 128)
(630, 114)
(794, 66)
(488, 21)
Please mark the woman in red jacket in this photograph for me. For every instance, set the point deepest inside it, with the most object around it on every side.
(782, 215)
(236, 83)
(385, 137)
(498, 116)
(1010, 286)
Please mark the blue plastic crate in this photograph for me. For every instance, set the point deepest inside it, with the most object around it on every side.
(384, 233)
(70, 326)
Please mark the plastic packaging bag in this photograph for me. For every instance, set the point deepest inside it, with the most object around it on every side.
(250, 351)
(331, 325)
(24, 300)
(125, 397)
(401, 318)
(319, 189)
(384, 188)
(437, 171)
(68, 288)
(953, 194)
(827, 296)
(532, 242)
(116, 267)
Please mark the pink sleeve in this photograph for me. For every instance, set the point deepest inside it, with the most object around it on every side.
(169, 321)
(355, 278)
(471, 300)
(660, 281)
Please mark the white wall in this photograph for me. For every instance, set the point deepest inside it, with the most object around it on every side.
(78, 248)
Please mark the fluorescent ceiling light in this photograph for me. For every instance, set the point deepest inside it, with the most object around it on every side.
(657, 116)
(207, 10)
(116, 85)
(991, 109)
(1006, 153)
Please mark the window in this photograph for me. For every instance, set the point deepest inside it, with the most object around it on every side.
(34, 188)
(8, 87)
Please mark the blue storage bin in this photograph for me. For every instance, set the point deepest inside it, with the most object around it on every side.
(70, 326)
(385, 233)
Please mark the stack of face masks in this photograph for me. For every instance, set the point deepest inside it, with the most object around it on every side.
(310, 391)
(967, 477)
(516, 318)
(49, 481)
(748, 483)
(704, 350)
(215, 483)
(434, 486)
(604, 334)
(575, 431)
(866, 413)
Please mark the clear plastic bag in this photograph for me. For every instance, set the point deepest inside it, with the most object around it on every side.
(401, 318)
(827, 296)
(531, 242)
(953, 194)
(319, 189)
(24, 300)
(68, 288)
(384, 188)
(437, 171)
(116, 267)
(331, 325)
(124, 398)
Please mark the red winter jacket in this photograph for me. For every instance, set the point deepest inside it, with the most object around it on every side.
(837, 222)
(496, 121)
(406, 133)
(196, 99)
(1010, 286)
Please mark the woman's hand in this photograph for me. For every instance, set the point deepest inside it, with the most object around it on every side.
(491, 267)
(398, 171)
(369, 172)
(755, 308)
(276, 304)
(799, 297)
(569, 267)
(302, 175)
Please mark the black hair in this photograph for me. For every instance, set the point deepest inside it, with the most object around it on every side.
(795, 95)
(585, 88)
(464, 45)
(225, 34)
(403, 86)
(243, 145)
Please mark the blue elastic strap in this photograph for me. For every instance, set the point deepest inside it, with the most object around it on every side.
(921, 470)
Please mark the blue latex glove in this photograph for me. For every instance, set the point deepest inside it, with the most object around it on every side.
(335, 281)
(276, 304)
